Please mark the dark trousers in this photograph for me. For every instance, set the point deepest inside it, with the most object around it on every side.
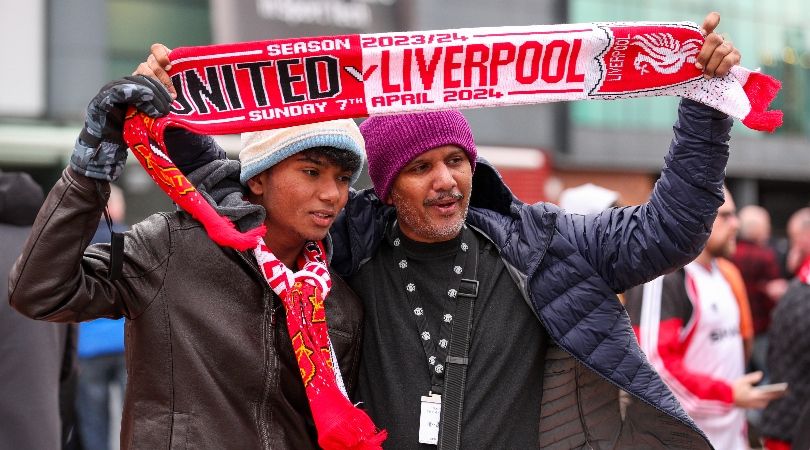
(96, 376)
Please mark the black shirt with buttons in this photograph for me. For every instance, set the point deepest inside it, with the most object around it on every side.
(507, 347)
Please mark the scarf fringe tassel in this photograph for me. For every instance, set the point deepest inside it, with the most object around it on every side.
(761, 89)
(342, 426)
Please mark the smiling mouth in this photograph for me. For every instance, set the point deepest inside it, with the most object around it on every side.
(445, 207)
(323, 218)
(445, 199)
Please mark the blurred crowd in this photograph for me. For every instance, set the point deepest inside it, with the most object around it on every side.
(755, 344)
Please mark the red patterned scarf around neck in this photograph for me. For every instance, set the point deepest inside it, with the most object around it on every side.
(340, 425)
(250, 86)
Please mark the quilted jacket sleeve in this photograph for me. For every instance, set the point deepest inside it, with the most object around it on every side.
(631, 245)
(58, 279)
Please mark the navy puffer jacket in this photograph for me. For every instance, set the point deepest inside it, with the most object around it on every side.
(570, 268)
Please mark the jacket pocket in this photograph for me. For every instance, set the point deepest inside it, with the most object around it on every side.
(180, 424)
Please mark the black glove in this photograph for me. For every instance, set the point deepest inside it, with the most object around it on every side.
(100, 151)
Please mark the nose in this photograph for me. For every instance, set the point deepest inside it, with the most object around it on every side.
(443, 180)
(329, 190)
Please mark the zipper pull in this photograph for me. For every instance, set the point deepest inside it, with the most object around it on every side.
(273, 308)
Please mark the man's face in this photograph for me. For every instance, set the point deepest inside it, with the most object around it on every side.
(799, 234)
(722, 241)
(432, 194)
(302, 195)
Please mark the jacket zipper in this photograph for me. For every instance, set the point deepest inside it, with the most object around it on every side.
(268, 325)
(267, 331)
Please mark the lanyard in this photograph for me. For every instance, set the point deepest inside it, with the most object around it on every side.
(435, 347)
(116, 262)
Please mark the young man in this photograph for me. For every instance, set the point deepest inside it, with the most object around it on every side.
(549, 342)
(689, 325)
(210, 360)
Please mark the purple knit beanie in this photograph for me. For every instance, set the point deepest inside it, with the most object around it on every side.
(393, 141)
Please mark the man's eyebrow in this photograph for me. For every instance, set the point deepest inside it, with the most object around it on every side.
(422, 160)
(309, 158)
(415, 161)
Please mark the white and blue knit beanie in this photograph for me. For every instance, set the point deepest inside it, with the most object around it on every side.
(262, 150)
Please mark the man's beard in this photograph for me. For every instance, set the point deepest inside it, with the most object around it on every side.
(423, 226)
(726, 250)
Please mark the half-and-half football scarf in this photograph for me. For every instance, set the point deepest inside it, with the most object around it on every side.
(249, 86)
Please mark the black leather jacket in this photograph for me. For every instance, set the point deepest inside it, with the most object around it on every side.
(209, 359)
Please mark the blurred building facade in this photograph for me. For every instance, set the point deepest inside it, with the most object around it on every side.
(67, 49)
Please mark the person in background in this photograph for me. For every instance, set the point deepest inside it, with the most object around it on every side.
(764, 285)
(690, 325)
(789, 349)
(102, 367)
(588, 198)
(761, 276)
(37, 359)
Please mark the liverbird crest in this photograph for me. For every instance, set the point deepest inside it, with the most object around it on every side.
(663, 53)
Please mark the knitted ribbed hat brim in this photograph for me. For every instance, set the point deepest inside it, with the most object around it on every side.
(262, 150)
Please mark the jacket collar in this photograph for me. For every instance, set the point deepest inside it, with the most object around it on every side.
(489, 190)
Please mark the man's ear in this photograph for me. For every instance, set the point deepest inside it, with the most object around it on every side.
(256, 184)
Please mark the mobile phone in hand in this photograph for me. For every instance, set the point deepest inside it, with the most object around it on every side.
(775, 388)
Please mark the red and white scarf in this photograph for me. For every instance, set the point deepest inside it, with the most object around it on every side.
(249, 86)
(340, 425)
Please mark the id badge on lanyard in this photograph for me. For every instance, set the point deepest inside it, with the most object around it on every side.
(429, 419)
